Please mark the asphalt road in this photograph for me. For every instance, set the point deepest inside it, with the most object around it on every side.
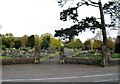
(59, 73)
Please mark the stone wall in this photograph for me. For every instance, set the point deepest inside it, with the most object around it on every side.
(77, 60)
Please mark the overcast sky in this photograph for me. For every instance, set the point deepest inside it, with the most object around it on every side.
(32, 17)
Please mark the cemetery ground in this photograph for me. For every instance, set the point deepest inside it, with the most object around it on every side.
(17, 58)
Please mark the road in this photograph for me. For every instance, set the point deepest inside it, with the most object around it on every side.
(68, 52)
(59, 73)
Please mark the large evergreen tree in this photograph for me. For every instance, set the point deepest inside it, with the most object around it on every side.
(31, 41)
(89, 22)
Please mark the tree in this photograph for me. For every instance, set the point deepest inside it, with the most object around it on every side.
(111, 44)
(8, 40)
(75, 44)
(17, 44)
(44, 44)
(97, 44)
(24, 40)
(31, 41)
(78, 43)
(67, 33)
(91, 23)
(55, 43)
(37, 40)
(46, 36)
(71, 44)
(112, 8)
(87, 45)
(45, 40)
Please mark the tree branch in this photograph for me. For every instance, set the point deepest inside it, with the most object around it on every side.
(93, 2)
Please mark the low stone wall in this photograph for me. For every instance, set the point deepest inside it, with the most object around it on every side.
(71, 60)
(114, 62)
(77, 60)
(18, 61)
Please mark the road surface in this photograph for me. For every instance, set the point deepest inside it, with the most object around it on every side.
(59, 73)
(56, 58)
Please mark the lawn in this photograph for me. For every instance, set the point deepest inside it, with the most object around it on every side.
(113, 56)
(5, 57)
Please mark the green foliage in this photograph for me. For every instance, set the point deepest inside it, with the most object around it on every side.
(55, 43)
(67, 33)
(78, 43)
(97, 44)
(45, 40)
(24, 40)
(71, 12)
(74, 44)
(112, 8)
(46, 36)
(71, 44)
(37, 40)
(17, 44)
(44, 44)
(82, 25)
(31, 41)
(87, 44)
(110, 43)
(8, 40)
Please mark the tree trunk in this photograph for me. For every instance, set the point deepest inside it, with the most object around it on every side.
(104, 52)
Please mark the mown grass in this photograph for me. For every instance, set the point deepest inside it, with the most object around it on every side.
(6, 57)
(91, 56)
